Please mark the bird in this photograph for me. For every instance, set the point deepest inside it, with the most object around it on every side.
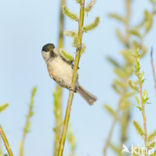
(61, 70)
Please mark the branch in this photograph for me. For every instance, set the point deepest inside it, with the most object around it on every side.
(58, 92)
(153, 68)
(6, 143)
(27, 122)
(71, 93)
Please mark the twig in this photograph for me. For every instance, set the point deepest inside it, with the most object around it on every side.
(6, 143)
(118, 110)
(58, 108)
(71, 93)
(141, 80)
(27, 122)
(111, 129)
(153, 68)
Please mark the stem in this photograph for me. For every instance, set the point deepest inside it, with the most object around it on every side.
(27, 122)
(6, 143)
(58, 88)
(21, 152)
(111, 130)
(71, 93)
(117, 112)
(153, 68)
(143, 112)
(127, 21)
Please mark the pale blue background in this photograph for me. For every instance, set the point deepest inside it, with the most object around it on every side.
(25, 26)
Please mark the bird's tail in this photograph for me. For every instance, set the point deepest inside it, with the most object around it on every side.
(86, 95)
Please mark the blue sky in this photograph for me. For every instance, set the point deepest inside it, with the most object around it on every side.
(25, 27)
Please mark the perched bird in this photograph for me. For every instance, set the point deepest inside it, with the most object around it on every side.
(61, 70)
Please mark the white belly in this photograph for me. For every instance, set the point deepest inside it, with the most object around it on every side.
(61, 70)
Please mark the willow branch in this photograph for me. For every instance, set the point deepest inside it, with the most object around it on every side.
(71, 93)
(27, 122)
(143, 110)
(116, 115)
(153, 68)
(58, 117)
(6, 143)
(127, 45)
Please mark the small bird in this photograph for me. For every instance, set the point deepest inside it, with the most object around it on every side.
(61, 70)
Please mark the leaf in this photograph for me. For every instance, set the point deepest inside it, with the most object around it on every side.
(109, 109)
(113, 62)
(78, 1)
(119, 83)
(66, 55)
(121, 73)
(3, 107)
(148, 21)
(68, 13)
(71, 33)
(121, 37)
(92, 25)
(90, 5)
(151, 145)
(138, 128)
(152, 136)
(116, 17)
(135, 32)
(115, 148)
(133, 85)
(145, 96)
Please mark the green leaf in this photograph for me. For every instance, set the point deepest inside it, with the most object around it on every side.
(152, 136)
(138, 128)
(135, 32)
(148, 21)
(113, 62)
(115, 148)
(121, 37)
(90, 5)
(3, 107)
(78, 1)
(121, 73)
(71, 33)
(68, 13)
(109, 109)
(92, 25)
(145, 96)
(116, 17)
(66, 55)
(133, 85)
(119, 83)
(151, 145)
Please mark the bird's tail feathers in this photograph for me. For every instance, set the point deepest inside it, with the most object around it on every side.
(90, 98)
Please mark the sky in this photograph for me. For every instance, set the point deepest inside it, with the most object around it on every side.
(25, 27)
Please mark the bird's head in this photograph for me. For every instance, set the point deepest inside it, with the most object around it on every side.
(49, 51)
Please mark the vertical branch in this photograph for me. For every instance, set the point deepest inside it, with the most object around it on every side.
(127, 21)
(125, 81)
(153, 68)
(58, 97)
(6, 143)
(143, 97)
(27, 122)
(71, 93)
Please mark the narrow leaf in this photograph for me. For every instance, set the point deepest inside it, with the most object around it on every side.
(138, 128)
(3, 107)
(92, 25)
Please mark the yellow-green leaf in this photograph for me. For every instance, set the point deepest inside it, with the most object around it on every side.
(3, 107)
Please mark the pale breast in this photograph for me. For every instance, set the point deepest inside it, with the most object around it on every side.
(60, 70)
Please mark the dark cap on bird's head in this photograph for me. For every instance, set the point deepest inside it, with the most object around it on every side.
(48, 47)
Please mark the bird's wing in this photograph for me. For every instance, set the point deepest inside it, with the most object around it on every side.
(66, 56)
